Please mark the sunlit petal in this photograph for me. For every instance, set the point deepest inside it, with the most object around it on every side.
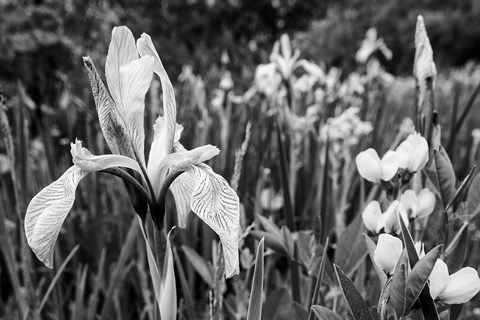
(217, 204)
(462, 286)
(403, 153)
(146, 47)
(182, 190)
(47, 211)
(368, 165)
(121, 51)
(408, 203)
(387, 252)
(389, 164)
(371, 214)
(135, 79)
(419, 155)
(391, 218)
(426, 203)
(438, 278)
(85, 160)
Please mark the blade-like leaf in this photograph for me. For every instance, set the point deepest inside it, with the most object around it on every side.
(168, 300)
(462, 189)
(271, 242)
(200, 265)
(446, 176)
(47, 211)
(218, 206)
(357, 305)
(318, 283)
(323, 313)
(351, 251)
(397, 290)
(473, 198)
(256, 295)
(428, 305)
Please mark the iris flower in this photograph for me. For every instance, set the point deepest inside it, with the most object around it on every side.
(129, 70)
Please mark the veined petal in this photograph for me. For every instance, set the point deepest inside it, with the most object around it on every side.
(462, 286)
(135, 79)
(182, 190)
(389, 164)
(146, 47)
(111, 122)
(47, 211)
(217, 204)
(368, 165)
(438, 278)
(121, 51)
(85, 160)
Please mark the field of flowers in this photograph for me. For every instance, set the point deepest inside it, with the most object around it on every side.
(314, 194)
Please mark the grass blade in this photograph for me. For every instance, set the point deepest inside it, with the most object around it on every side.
(255, 303)
(316, 291)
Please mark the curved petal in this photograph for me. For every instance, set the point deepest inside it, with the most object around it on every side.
(85, 160)
(146, 47)
(408, 203)
(371, 214)
(368, 165)
(391, 219)
(389, 164)
(121, 51)
(182, 190)
(47, 211)
(419, 155)
(111, 123)
(217, 204)
(426, 203)
(135, 79)
(438, 278)
(462, 286)
(404, 151)
(387, 252)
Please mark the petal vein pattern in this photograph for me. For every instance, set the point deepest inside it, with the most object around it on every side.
(47, 211)
(217, 204)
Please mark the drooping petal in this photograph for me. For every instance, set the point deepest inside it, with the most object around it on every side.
(122, 50)
(462, 286)
(217, 204)
(182, 190)
(47, 211)
(368, 165)
(146, 47)
(111, 123)
(438, 278)
(389, 164)
(135, 79)
(426, 203)
(371, 214)
(387, 253)
(85, 160)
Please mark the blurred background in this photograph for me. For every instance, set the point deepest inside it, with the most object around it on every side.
(214, 52)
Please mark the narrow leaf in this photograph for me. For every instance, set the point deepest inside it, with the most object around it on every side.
(271, 242)
(473, 198)
(357, 305)
(397, 290)
(168, 299)
(199, 264)
(445, 175)
(323, 313)
(459, 194)
(256, 295)
(351, 251)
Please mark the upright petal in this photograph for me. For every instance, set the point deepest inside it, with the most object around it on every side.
(146, 47)
(217, 204)
(368, 165)
(438, 278)
(419, 155)
(47, 211)
(387, 253)
(404, 150)
(389, 165)
(135, 79)
(462, 286)
(408, 203)
(111, 123)
(426, 203)
(121, 51)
